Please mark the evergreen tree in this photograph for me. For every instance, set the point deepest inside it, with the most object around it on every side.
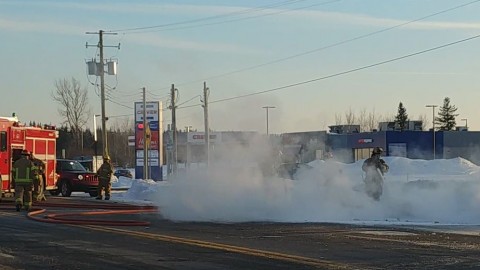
(446, 116)
(402, 117)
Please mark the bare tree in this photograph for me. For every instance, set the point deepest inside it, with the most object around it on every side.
(372, 121)
(425, 122)
(122, 154)
(368, 121)
(73, 101)
(362, 120)
(338, 119)
(387, 118)
(350, 117)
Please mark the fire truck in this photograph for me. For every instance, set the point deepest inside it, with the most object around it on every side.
(40, 141)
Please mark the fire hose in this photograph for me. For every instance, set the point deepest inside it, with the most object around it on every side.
(101, 209)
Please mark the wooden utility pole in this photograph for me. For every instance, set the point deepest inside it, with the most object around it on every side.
(102, 95)
(206, 92)
(174, 127)
(101, 73)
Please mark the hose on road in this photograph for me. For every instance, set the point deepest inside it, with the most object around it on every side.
(100, 209)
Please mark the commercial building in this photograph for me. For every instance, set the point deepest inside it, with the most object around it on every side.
(346, 144)
(342, 143)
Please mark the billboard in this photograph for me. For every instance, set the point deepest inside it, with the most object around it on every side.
(153, 113)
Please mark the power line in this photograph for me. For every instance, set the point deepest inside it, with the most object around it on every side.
(350, 71)
(244, 11)
(118, 103)
(189, 106)
(238, 19)
(189, 100)
(341, 73)
(328, 46)
(157, 96)
(128, 95)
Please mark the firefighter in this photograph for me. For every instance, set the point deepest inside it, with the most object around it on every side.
(374, 168)
(104, 176)
(38, 184)
(23, 174)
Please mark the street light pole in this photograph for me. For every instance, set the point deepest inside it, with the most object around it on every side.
(466, 123)
(433, 123)
(95, 140)
(267, 108)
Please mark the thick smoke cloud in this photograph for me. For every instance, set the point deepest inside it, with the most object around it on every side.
(235, 188)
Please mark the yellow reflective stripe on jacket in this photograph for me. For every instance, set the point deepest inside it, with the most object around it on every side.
(35, 171)
(22, 180)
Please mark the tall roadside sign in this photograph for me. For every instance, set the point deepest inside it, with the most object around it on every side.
(153, 112)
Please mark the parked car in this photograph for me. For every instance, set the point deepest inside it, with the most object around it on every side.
(72, 177)
(123, 172)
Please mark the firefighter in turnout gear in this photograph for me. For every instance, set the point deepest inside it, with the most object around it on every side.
(374, 168)
(104, 176)
(38, 184)
(24, 172)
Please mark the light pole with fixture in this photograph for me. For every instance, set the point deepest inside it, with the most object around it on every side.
(466, 123)
(267, 108)
(433, 123)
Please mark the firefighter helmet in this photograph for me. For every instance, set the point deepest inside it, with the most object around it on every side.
(25, 153)
(106, 158)
(377, 150)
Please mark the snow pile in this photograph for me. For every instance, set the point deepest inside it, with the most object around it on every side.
(121, 182)
(415, 191)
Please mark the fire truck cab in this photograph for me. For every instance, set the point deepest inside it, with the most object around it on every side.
(41, 142)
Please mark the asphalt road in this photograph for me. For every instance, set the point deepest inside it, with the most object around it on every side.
(28, 244)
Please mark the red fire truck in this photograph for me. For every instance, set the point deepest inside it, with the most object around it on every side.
(14, 137)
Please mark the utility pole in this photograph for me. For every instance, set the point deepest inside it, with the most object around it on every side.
(174, 127)
(206, 93)
(102, 96)
(101, 73)
(145, 142)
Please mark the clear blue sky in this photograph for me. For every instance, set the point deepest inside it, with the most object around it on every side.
(43, 41)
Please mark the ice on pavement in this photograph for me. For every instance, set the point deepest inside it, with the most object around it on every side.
(415, 191)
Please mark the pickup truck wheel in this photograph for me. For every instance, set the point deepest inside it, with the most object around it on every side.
(65, 189)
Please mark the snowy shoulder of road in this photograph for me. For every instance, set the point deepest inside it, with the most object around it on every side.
(416, 192)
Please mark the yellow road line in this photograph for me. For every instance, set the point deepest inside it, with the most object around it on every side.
(449, 245)
(229, 248)
(8, 214)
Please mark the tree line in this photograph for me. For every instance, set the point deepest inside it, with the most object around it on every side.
(445, 120)
(122, 155)
(368, 121)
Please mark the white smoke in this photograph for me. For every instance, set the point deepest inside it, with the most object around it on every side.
(438, 191)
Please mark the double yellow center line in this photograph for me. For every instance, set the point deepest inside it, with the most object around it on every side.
(236, 249)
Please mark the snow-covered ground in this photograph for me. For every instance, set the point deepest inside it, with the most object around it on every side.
(420, 192)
